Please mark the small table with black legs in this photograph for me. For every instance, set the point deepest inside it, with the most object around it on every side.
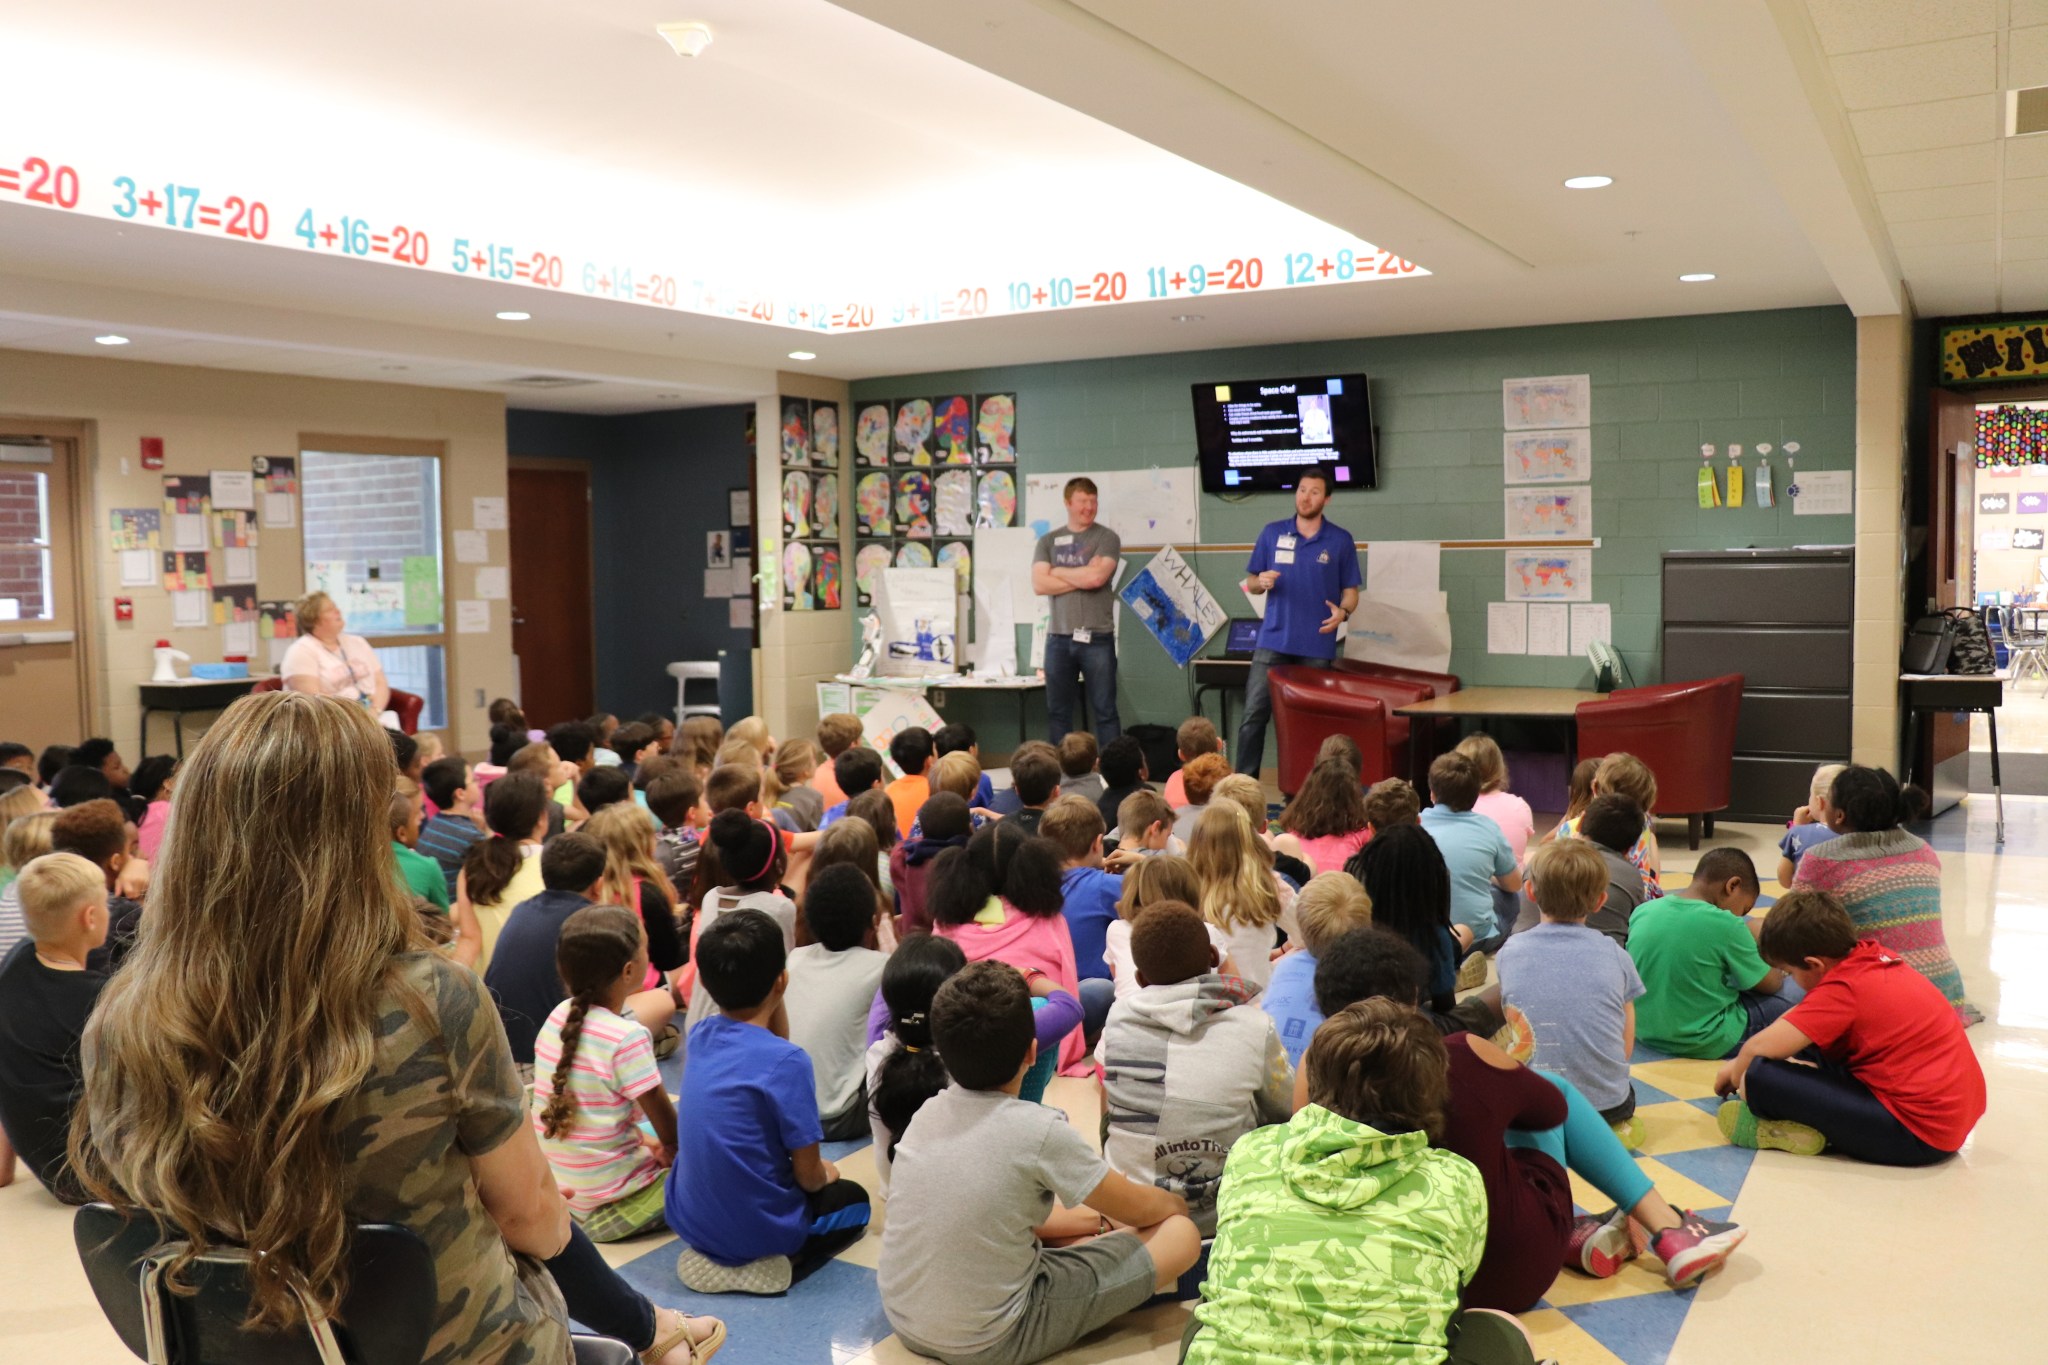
(188, 694)
(1922, 692)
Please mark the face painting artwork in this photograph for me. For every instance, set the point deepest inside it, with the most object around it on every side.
(913, 554)
(825, 504)
(825, 436)
(957, 554)
(914, 504)
(953, 502)
(796, 504)
(950, 431)
(825, 577)
(871, 436)
(914, 432)
(996, 499)
(871, 560)
(796, 576)
(796, 434)
(871, 505)
(996, 432)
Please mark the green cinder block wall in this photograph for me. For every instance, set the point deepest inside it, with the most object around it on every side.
(1661, 388)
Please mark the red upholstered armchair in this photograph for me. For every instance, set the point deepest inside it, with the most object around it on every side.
(408, 705)
(1310, 704)
(1684, 731)
(1442, 734)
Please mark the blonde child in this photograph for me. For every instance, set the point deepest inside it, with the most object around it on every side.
(1627, 775)
(959, 773)
(1238, 891)
(27, 838)
(430, 747)
(738, 752)
(592, 1067)
(1332, 904)
(1579, 789)
(1517, 822)
(796, 763)
(696, 743)
(1809, 823)
(633, 879)
(754, 731)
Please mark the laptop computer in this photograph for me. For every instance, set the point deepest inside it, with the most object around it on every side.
(1240, 637)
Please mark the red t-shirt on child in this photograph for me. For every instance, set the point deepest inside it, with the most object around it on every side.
(1901, 1037)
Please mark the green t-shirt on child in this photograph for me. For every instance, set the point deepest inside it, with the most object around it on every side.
(1695, 960)
(421, 874)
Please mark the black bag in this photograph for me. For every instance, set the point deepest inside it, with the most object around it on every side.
(1972, 652)
(1929, 643)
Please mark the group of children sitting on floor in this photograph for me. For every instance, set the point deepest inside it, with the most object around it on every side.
(1300, 1062)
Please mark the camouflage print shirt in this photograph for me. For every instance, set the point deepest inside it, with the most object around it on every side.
(438, 1095)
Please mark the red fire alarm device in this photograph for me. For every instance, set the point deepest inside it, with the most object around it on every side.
(152, 455)
(124, 609)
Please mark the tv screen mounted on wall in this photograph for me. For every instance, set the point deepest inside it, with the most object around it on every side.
(1258, 435)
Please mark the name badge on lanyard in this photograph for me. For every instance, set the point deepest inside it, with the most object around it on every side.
(1283, 550)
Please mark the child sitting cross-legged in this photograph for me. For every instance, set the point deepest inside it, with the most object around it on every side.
(1345, 1235)
(1009, 1238)
(1624, 775)
(1706, 989)
(756, 1205)
(592, 1066)
(1325, 822)
(833, 981)
(1476, 854)
(1328, 906)
(1144, 827)
(1810, 823)
(1188, 1066)
(746, 854)
(1576, 986)
(943, 822)
(47, 992)
(1896, 1083)
(1523, 1130)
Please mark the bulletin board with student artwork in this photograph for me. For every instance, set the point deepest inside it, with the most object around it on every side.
(812, 495)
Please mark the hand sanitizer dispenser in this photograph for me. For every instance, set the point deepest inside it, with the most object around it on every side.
(167, 661)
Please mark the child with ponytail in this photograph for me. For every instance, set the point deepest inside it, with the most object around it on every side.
(592, 1066)
(748, 854)
(501, 871)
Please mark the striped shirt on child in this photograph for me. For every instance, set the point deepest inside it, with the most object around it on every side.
(599, 1159)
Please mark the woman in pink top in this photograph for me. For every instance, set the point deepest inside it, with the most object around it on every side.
(999, 898)
(1326, 817)
(1496, 802)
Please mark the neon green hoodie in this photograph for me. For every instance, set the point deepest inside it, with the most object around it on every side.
(1337, 1244)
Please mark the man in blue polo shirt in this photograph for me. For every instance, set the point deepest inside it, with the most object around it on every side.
(1307, 570)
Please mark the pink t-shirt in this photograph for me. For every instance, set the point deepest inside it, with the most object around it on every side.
(1512, 814)
(349, 671)
(1024, 942)
(149, 835)
(1329, 852)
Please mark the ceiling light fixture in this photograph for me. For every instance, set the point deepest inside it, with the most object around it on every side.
(688, 40)
(803, 355)
(514, 317)
(111, 340)
(1589, 182)
(1700, 277)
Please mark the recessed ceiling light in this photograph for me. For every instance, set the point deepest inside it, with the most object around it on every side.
(514, 317)
(689, 40)
(803, 355)
(1700, 277)
(1187, 317)
(1589, 182)
(111, 340)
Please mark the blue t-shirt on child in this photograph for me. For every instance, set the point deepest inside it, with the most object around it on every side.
(1575, 984)
(750, 1102)
(1800, 838)
(1290, 1001)
(1089, 897)
(1476, 852)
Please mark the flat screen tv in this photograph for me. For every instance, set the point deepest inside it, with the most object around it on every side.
(1258, 435)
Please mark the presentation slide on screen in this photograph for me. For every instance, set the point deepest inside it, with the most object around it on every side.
(1279, 426)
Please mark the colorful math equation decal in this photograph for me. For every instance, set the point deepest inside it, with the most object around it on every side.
(1180, 612)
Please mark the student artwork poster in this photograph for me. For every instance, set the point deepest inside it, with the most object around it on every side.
(1180, 612)
(1549, 575)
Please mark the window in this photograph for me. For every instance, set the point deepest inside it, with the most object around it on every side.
(25, 588)
(373, 543)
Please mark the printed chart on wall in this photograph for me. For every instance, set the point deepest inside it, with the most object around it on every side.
(1145, 507)
(1546, 470)
(929, 473)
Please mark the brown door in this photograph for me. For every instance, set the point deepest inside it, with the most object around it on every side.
(42, 683)
(552, 605)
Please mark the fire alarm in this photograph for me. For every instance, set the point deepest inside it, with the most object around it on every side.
(124, 609)
(152, 452)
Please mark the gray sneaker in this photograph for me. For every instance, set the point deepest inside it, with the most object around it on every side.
(769, 1275)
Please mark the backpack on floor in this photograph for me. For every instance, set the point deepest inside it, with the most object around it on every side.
(1971, 652)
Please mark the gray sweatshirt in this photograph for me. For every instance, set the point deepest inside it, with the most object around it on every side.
(1187, 1070)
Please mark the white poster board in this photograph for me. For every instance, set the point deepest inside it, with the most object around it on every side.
(1401, 629)
(1143, 506)
(920, 614)
(894, 711)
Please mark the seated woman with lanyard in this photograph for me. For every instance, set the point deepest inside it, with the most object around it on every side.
(327, 663)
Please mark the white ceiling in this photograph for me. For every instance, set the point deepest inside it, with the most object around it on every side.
(1791, 157)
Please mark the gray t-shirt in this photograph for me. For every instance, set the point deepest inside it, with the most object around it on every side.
(954, 1282)
(1067, 549)
(1574, 984)
(828, 998)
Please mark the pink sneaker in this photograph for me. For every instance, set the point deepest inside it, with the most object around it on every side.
(1602, 1243)
(1695, 1247)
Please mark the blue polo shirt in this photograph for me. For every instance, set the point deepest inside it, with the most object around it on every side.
(1321, 567)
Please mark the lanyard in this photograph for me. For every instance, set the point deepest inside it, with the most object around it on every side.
(354, 679)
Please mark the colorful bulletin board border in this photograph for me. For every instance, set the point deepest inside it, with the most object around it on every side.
(2009, 437)
(1995, 352)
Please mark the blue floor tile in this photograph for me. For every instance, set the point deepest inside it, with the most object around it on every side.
(1640, 1329)
(834, 1315)
(1647, 1094)
(1720, 1169)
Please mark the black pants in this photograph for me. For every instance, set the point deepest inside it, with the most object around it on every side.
(839, 1218)
(1828, 1097)
(598, 1298)
(1623, 1112)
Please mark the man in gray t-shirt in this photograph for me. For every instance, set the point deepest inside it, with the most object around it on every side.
(1074, 566)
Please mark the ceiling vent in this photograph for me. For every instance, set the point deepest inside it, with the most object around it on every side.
(544, 381)
(2026, 111)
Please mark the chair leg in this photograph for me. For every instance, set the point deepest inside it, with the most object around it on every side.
(1692, 832)
(1708, 821)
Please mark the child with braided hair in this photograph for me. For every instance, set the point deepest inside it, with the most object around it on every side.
(593, 1065)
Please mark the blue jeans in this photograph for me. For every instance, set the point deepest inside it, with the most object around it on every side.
(1098, 993)
(1066, 666)
(1258, 706)
(1765, 1010)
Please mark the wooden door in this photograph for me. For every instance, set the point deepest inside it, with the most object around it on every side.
(553, 632)
(42, 678)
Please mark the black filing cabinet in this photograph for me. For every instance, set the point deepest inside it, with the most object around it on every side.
(1785, 620)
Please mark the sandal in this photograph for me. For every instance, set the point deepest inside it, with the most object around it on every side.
(700, 1351)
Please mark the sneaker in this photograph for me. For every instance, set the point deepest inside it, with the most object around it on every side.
(1695, 1247)
(769, 1275)
(1742, 1128)
(1516, 1037)
(1601, 1243)
(1630, 1132)
(1472, 973)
